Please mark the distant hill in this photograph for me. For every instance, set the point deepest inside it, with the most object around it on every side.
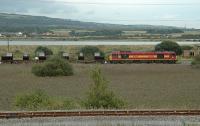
(27, 23)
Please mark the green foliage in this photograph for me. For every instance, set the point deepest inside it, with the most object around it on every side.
(99, 96)
(33, 101)
(169, 46)
(60, 54)
(89, 51)
(97, 33)
(62, 104)
(196, 61)
(186, 47)
(164, 31)
(46, 50)
(55, 66)
(39, 100)
(190, 36)
(69, 104)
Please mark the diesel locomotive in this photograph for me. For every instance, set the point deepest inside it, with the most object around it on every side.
(142, 57)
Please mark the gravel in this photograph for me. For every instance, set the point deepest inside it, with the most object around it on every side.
(106, 121)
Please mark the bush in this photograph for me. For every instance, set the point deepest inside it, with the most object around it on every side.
(62, 104)
(39, 100)
(55, 66)
(89, 51)
(33, 101)
(46, 50)
(169, 46)
(99, 96)
(196, 61)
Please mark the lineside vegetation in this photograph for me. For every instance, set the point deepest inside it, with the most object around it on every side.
(99, 96)
(39, 100)
(55, 66)
(196, 62)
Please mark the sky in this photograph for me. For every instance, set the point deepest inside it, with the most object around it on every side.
(181, 13)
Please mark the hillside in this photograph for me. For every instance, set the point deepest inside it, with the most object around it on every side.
(27, 23)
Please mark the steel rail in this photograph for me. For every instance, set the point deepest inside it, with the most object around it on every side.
(8, 115)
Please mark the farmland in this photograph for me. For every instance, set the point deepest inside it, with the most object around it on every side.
(143, 86)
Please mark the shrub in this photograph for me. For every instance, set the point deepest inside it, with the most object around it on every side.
(39, 100)
(46, 50)
(196, 61)
(55, 66)
(62, 104)
(89, 51)
(169, 46)
(33, 101)
(99, 96)
(60, 53)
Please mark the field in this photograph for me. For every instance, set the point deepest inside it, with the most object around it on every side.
(143, 86)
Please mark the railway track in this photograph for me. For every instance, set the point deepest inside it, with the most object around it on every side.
(8, 115)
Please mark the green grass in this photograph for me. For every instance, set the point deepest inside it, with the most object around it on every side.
(143, 86)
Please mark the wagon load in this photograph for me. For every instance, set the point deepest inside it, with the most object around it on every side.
(8, 57)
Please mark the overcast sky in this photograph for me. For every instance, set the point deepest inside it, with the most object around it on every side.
(155, 12)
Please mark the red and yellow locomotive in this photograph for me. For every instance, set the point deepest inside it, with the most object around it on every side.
(142, 57)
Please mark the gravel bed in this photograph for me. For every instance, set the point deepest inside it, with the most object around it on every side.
(106, 121)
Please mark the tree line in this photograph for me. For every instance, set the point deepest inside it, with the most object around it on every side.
(97, 33)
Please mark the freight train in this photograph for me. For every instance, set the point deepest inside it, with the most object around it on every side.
(113, 58)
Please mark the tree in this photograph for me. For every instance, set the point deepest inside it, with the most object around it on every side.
(164, 31)
(55, 66)
(169, 46)
(99, 96)
(186, 47)
(89, 51)
(46, 50)
(72, 33)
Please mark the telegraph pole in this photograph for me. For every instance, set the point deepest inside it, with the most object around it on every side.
(8, 39)
(8, 42)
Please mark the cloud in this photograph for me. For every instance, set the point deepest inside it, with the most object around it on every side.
(91, 12)
(113, 12)
(39, 7)
(169, 16)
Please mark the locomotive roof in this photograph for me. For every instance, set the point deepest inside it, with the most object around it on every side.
(140, 52)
